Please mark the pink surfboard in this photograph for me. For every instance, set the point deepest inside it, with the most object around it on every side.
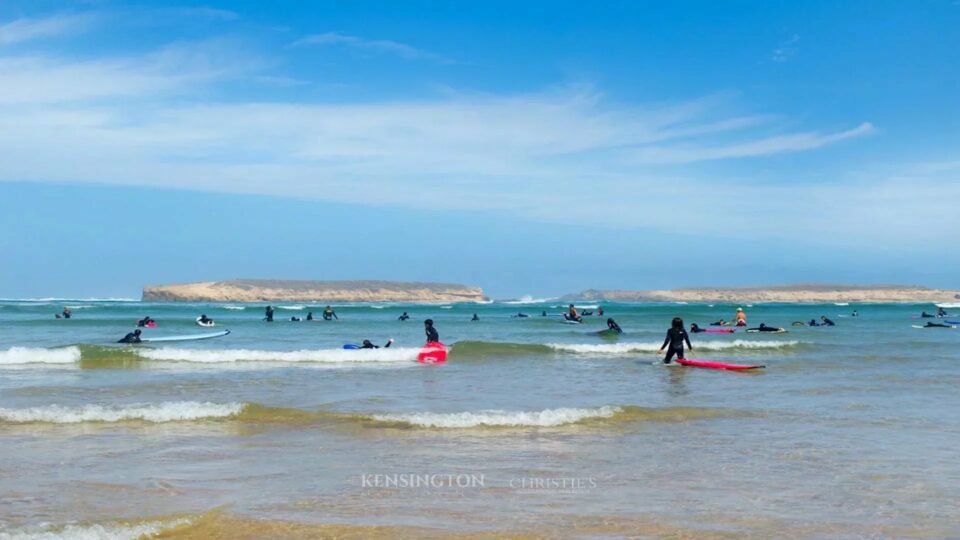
(433, 353)
(716, 365)
(719, 330)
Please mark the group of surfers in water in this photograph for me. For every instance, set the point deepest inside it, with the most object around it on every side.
(676, 336)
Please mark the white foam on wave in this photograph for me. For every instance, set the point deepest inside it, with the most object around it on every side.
(544, 418)
(234, 307)
(841, 303)
(949, 305)
(294, 308)
(333, 356)
(36, 355)
(171, 411)
(629, 348)
(97, 531)
(527, 299)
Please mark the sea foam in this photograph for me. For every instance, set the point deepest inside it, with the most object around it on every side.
(496, 418)
(37, 355)
(615, 349)
(334, 356)
(171, 411)
(97, 531)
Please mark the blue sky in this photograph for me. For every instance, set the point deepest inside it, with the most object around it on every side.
(538, 148)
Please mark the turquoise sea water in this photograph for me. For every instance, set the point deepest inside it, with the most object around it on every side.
(532, 427)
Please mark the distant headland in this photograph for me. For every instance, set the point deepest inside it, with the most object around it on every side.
(803, 293)
(269, 290)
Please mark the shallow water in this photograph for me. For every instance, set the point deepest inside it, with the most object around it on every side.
(532, 428)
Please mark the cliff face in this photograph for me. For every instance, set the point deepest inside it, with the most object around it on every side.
(784, 293)
(262, 290)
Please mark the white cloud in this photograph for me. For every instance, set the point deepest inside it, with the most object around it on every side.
(24, 29)
(539, 155)
(384, 46)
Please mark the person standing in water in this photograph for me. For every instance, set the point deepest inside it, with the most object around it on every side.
(403, 317)
(432, 335)
(67, 313)
(741, 317)
(612, 325)
(328, 314)
(268, 314)
(475, 318)
(676, 337)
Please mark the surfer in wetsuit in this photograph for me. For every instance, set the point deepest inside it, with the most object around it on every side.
(328, 314)
(67, 313)
(826, 322)
(676, 336)
(612, 325)
(205, 320)
(268, 314)
(309, 315)
(368, 345)
(403, 317)
(475, 318)
(145, 322)
(521, 316)
(926, 315)
(695, 328)
(855, 314)
(764, 328)
(813, 322)
(432, 335)
(294, 319)
(721, 322)
(937, 325)
(941, 312)
(132, 337)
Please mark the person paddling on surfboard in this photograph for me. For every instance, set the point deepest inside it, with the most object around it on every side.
(824, 321)
(572, 314)
(205, 321)
(432, 335)
(132, 337)
(676, 336)
(368, 345)
(695, 328)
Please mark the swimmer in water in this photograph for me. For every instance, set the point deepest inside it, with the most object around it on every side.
(368, 345)
(132, 337)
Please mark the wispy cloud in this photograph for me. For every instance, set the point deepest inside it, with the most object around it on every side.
(786, 50)
(381, 46)
(24, 29)
(112, 120)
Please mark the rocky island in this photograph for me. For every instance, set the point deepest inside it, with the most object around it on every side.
(778, 293)
(268, 290)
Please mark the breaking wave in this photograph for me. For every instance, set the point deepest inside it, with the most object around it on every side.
(333, 356)
(96, 531)
(172, 411)
(629, 348)
(37, 355)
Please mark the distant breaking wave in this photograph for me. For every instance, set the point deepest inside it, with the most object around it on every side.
(628, 348)
(335, 356)
(254, 413)
(156, 413)
(35, 355)
(527, 299)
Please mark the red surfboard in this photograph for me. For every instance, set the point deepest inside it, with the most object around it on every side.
(715, 365)
(433, 353)
(719, 330)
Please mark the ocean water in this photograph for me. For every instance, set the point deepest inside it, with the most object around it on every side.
(533, 427)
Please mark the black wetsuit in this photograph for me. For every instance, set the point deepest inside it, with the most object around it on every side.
(432, 334)
(697, 330)
(615, 327)
(132, 337)
(404, 317)
(675, 338)
(329, 314)
(828, 322)
(269, 315)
